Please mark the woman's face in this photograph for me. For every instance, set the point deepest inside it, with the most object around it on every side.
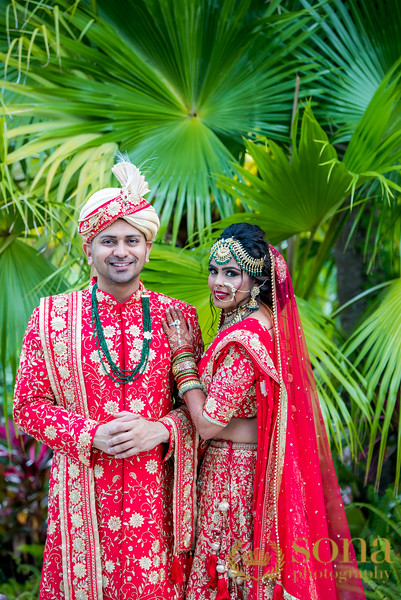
(228, 285)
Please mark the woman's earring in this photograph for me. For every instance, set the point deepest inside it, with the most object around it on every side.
(253, 305)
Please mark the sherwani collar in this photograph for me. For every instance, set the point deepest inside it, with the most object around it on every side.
(107, 299)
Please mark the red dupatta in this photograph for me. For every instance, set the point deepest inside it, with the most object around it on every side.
(299, 513)
(302, 544)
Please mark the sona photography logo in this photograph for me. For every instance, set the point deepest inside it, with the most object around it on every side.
(372, 561)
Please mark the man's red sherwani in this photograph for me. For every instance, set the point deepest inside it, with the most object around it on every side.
(110, 530)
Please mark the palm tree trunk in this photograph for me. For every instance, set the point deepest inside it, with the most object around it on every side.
(351, 277)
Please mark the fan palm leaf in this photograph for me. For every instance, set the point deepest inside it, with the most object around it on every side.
(299, 193)
(184, 88)
(292, 194)
(181, 274)
(22, 275)
(377, 348)
(357, 43)
(375, 146)
(53, 220)
(19, 294)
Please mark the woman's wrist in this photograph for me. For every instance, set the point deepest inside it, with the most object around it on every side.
(185, 370)
(188, 385)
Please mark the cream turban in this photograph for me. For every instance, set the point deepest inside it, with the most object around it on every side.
(107, 205)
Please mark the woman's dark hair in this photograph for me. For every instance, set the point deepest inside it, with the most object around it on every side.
(253, 240)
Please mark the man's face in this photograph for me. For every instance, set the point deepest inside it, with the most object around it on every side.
(118, 254)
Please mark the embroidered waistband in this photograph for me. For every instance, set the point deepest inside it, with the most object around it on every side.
(235, 445)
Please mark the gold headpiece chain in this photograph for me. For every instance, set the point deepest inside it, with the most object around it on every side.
(224, 249)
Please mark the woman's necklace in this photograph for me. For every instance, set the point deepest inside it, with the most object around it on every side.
(235, 315)
(117, 374)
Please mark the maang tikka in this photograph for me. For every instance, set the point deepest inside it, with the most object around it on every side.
(226, 248)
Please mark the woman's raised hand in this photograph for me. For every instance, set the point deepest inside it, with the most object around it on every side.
(178, 333)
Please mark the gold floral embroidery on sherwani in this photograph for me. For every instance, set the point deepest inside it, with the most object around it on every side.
(110, 532)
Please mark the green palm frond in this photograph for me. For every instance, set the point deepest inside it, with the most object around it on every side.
(22, 272)
(377, 346)
(27, 210)
(390, 524)
(293, 194)
(381, 590)
(25, 275)
(335, 374)
(297, 193)
(301, 192)
(357, 43)
(384, 525)
(375, 146)
(381, 220)
(184, 88)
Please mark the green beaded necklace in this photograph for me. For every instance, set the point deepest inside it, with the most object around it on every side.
(117, 374)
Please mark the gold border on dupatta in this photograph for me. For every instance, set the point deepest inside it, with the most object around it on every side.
(182, 427)
(278, 444)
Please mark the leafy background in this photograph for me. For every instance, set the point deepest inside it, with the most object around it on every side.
(285, 114)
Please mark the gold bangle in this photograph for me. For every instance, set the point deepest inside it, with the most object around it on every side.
(193, 384)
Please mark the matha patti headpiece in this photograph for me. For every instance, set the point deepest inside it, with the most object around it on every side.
(224, 249)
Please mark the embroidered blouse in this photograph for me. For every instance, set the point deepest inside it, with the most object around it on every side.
(232, 391)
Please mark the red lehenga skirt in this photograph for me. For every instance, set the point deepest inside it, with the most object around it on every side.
(224, 524)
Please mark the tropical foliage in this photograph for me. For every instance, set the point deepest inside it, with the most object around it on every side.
(24, 471)
(285, 114)
(381, 532)
(172, 94)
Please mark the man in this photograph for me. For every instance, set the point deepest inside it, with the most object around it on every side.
(94, 383)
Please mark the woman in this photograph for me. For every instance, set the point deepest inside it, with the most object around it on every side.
(271, 522)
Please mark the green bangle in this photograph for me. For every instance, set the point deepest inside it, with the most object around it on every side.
(183, 357)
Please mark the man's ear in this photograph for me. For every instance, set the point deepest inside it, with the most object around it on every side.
(87, 248)
(148, 249)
